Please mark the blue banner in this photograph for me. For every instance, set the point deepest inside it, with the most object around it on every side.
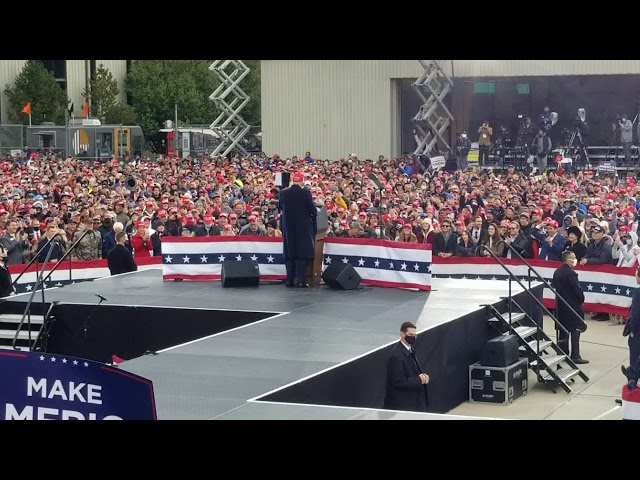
(41, 386)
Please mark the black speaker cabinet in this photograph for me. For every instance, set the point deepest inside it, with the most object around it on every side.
(245, 273)
(501, 351)
(341, 276)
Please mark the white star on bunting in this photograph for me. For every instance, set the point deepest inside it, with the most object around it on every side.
(270, 259)
(361, 263)
(185, 259)
(628, 291)
(221, 258)
(618, 290)
(463, 277)
(590, 287)
(64, 360)
(416, 267)
(327, 260)
(254, 257)
(29, 288)
(428, 268)
(53, 359)
(42, 358)
(403, 266)
(58, 284)
(86, 364)
(75, 362)
(345, 260)
(239, 257)
(390, 264)
(168, 258)
(493, 278)
(603, 288)
(377, 263)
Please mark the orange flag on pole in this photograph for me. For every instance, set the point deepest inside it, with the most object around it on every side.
(27, 109)
(85, 109)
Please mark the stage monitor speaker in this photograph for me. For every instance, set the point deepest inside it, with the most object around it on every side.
(243, 273)
(282, 179)
(341, 276)
(501, 351)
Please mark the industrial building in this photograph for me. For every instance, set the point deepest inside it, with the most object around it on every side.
(72, 75)
(336, 107)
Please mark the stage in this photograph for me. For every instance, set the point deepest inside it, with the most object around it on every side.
(270, 352)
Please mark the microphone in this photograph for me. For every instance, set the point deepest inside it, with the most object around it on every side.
(101, 297)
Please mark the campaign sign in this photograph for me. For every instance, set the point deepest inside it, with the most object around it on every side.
(41, 386)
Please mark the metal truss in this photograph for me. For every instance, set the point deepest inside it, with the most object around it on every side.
(230, 99)
(433, 118)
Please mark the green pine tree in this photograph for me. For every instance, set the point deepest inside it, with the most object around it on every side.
(36, 85)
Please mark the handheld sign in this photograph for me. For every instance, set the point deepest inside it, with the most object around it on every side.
(607, 168)
(41, 386)
(438, 162)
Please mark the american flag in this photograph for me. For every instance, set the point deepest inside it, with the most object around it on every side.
(607, 289)
(200, 258)
(383, 263)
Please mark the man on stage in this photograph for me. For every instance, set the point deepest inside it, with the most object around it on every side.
(298, 225)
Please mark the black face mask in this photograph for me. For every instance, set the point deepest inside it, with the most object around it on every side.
(410, 340)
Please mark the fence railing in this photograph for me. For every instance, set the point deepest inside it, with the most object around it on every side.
(11, 138)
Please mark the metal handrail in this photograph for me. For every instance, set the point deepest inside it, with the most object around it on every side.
(40, 281)
(541, 279)
(514, 277)
(44, 323)
(33, 260)
(66, 254)
(27, 312)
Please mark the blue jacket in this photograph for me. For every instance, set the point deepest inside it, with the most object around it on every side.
(553, 251)
(108, 243)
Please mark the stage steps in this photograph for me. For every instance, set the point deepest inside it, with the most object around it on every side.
(9, 325)
(555, 368)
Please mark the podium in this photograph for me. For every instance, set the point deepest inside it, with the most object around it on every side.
(314, 269)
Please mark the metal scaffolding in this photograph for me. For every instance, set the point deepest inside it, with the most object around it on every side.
(230, 99)
(433, 118)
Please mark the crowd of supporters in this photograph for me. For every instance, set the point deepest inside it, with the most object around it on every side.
(391, 199)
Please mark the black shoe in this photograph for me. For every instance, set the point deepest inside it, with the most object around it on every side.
(595, 316)
(303, 285)
(289, 285)
(619, 401)
(625, 370)
(633, 384)
(579, 361)
(603, 317)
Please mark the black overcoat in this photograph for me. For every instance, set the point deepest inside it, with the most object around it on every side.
(297, 222)
(404, 390)
(565, 281)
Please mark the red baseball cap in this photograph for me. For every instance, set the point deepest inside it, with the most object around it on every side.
(298, 177)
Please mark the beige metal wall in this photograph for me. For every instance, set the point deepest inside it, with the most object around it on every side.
(331, 108)
(76, 83)
(337, 107)
(9, 70)
(119, 70)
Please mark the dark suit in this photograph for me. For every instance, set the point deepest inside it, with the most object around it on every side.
(14, 249)
(633, 326)
(566, 284)
(481, 234)
(439, 244)
(404, 389)
(6, 286)
(120, 260)
(298, 225)
(56, 253)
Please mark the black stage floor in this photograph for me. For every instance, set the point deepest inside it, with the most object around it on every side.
(307, 332)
